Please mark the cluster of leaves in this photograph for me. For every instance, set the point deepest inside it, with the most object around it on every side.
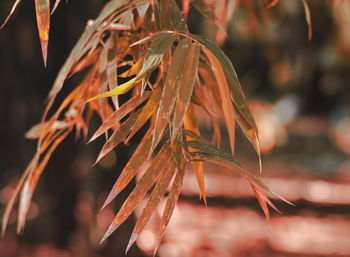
(170, 73)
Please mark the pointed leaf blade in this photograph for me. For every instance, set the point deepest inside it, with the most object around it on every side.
(42, 8)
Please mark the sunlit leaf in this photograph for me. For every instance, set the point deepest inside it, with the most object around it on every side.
(55, 6)
(11, 12)
(147, 110)
(121, 89)
(42, 8)
(134, 69)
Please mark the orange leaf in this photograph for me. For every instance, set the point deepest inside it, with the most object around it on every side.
(147, 110)
(157, 194)
(308, 19)
(132, 167)
(118, 135)
(227, 106)
(116, 116)
(171, 89)
(159, 163)
(11, 12)
(42, 8)
(190, 123)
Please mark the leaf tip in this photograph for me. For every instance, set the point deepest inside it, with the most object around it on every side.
(110, 197)
(132, 240)
(109, 231)
(44, 46)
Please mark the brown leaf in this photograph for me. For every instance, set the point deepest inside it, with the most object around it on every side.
(186, 85)
(116, 116)
(172, 199)
(153, 201)
(118, 135)
(190, 123)
(159, 163)
(132, 167)
(171, 89)
(227, 107)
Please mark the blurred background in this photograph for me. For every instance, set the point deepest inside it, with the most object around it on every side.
(298, 91)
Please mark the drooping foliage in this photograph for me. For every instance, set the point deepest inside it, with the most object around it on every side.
(170, 75)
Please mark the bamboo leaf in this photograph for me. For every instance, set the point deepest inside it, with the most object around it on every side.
(121, 89)
(190, 123)
(132, 167)
(159, 163)
(157, 194)
(243, 114)
(112, 66)
(171, 89)
(116, 116)
(118, 135)
(161, 43)
(185, 88)
(134, 69)
(55, 6)
(16, 192)
(147, 110)
(177, 18)
(227, 106)
(204, 9)
(172, 199)
(31, 182)
(273, 3)
(86, 62)
(42, 8)
(11, 12)
(92, 32)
